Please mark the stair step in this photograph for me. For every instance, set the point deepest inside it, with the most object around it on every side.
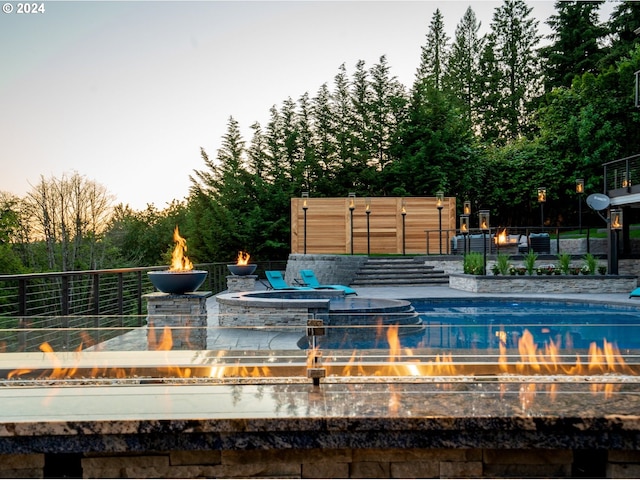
(394, 271)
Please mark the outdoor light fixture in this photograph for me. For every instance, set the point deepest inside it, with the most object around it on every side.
(580, 191)
(626, 180)
(483, 219)
(483, 222)
(305, 206)
(542, 198)
(352, 207)
(466, 209)
(542, 194)
(367, 210)
(403, 212)
(616, 219)
(616, 223)
(464, 230)
(439, 206)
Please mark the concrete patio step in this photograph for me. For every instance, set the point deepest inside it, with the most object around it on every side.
(404, 271)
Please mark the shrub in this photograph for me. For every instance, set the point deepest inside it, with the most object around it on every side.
(590, 264)
(530, 262)
(564, 263)
(503, 262)
(473, 263)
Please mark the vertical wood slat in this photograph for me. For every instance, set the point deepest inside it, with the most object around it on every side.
(329, 225)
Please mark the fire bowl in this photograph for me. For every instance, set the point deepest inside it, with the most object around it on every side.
(177, 282)
(242, 270)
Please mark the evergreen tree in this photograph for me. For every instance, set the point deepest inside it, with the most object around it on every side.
(491, 124)
(463, 67)
(387, 109)
(624, 20)
(577, 37)
(433, 58)
(515, 34)
(326, 147)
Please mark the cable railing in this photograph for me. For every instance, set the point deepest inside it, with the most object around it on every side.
(117, 292)
(622, 175)
(516, 240)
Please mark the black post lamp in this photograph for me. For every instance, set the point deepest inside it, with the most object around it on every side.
(305, 206)
(352, 207)
(439, 206)
(466, 209)
(404, 214)
(616, 224)
(367, 210)
(464, 230)
(580, 191)
(542, 198)
(483, 223)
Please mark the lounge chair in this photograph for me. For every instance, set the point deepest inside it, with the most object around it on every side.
(276, 281)
(635, 293)
(309, 279)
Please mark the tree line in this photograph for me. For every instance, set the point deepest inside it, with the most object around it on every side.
(488, 118)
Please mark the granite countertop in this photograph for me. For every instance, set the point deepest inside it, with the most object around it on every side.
(398, 415)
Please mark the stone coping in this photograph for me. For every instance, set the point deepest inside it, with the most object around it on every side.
(281, 299)
(404, 414)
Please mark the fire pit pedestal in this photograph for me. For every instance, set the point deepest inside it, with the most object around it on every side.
(241, 283)
(184, 314)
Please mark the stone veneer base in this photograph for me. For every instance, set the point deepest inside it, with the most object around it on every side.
(543, 283)
(373, 430)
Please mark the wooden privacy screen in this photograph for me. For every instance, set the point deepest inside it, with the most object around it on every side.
(328, 225)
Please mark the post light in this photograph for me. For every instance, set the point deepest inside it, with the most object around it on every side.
(466, 209)
(305, 206)
(483, 219)
(542, 198)
(352, 207)
(367, 210)
(403, 212)
(439, 206)
(580, 191)
(483, 222)
(616, 223)
(464, 230)
(616, 219)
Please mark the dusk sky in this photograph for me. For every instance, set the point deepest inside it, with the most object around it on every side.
(125, 93)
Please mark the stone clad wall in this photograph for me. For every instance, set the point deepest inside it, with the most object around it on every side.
(543, 283)
(335, 463)
(329, 269)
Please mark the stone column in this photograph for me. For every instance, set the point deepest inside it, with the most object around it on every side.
(185, 315)
(241, 283)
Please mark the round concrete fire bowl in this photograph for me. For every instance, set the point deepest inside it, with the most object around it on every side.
(177, 282)
(242, 270)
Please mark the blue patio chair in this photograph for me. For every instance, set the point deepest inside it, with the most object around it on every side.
(635, 293)
(309, 278)
(276, 281)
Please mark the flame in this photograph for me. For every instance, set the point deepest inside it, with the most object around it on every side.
(243, 258)
(179, 261)
(501, 237)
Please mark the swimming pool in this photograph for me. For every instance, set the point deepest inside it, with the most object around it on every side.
(483, 323)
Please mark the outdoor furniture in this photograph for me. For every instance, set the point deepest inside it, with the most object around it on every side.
(309, 279)
(540, 242)
(276, 281)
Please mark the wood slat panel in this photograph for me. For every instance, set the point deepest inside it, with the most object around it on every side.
(329, 225)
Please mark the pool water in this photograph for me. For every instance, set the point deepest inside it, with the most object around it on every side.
(484, 323)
